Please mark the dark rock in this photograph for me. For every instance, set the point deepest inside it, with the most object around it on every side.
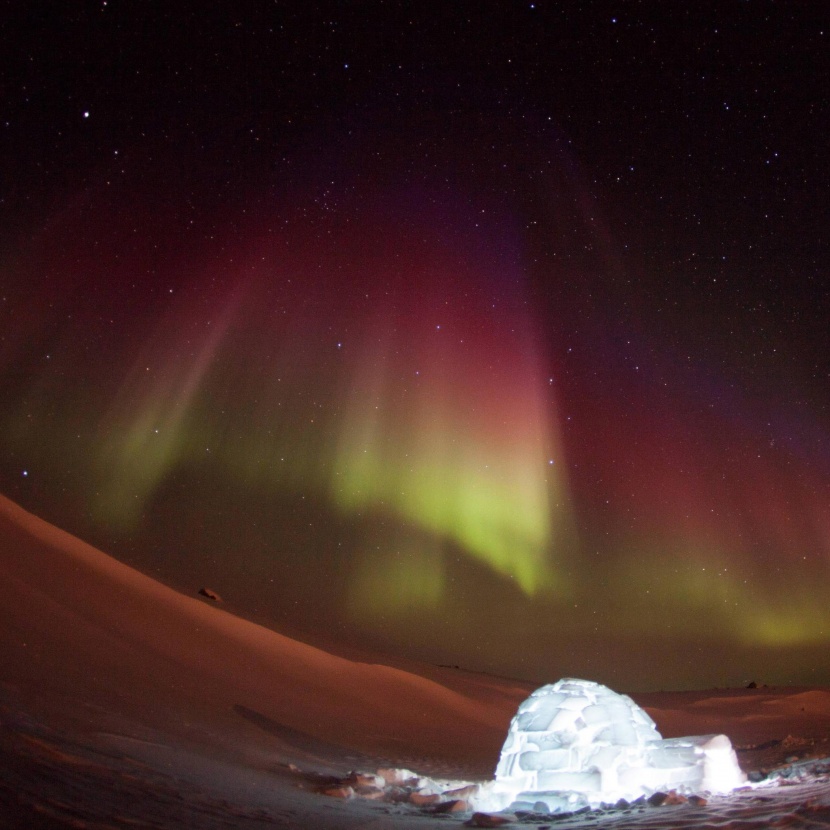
(490, 819)
(422, 800)
(458, 805)
(673, 798)
(211, 595)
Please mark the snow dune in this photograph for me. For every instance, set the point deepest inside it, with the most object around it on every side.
(77, 623)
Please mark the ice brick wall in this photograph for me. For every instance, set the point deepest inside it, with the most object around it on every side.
(576, 743)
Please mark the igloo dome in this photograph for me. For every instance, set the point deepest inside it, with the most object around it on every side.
(576, 743)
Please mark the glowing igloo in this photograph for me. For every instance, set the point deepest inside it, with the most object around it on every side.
(576, 743)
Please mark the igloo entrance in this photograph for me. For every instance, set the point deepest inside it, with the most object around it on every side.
(576, 743)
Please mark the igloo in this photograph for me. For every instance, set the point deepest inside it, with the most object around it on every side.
(576, 743)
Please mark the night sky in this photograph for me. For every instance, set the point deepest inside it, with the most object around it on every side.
(490, 334)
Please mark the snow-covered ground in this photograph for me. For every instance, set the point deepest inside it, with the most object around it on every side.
(125, 703)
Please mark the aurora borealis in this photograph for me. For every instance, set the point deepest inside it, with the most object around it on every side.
(496, 340)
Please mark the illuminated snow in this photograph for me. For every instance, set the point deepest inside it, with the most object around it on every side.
(576, 743)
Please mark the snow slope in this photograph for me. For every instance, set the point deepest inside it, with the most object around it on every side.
(125, 702)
